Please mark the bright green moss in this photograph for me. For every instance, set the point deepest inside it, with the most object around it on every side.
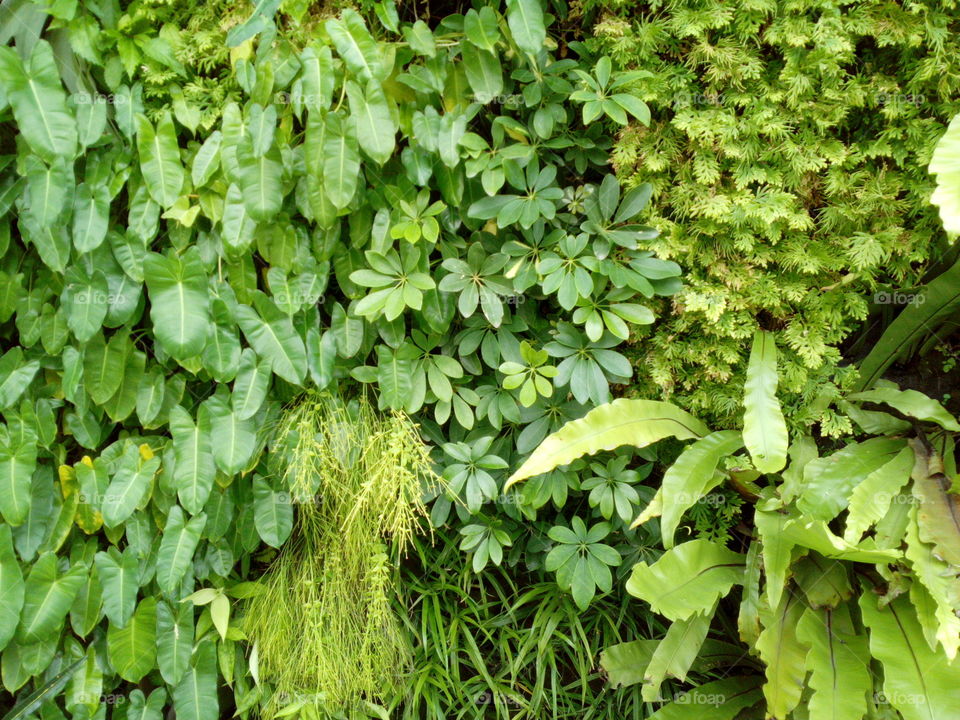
(788, 153)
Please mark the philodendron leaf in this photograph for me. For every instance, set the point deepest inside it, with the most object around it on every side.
(838, 663)
(764, 429)
(48, 598)
(133, 649)
(273, 513)
(149, 708)
(621, 422)
(160, 164)
(784, 656)
(688, 579)
(355, 45)
(11, 587)
(272, 335)
(195, 697)
(129, 486)
(918, 682)
(179, 301)
(194, 469)
(175, 634)
(120, 578)
(692, 476)
(180, 540)
(234, 439)
(16, 469)
(39, 102)
(945, 164)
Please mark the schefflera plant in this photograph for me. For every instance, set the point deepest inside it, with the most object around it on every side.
(851, 565)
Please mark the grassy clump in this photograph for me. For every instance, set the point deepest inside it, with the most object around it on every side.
(324, 626)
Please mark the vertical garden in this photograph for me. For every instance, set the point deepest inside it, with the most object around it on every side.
(507, 359)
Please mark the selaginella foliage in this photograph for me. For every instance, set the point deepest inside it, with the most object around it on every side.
(418, 208)
(847, 581)
(787, 152)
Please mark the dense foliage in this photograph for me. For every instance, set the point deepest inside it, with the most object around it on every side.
(788, 153)
(813, 602)
(287, 292)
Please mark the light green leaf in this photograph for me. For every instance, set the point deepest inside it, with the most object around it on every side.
(871, 499)
(11, 588)
(179, 301)
(120, 578)
(273, 513)
(271, 334)
(483, 72)
(195, 697)
(355, 45)
(129, 486)
(676, 652)
(194, 469)
(174, 640)
(341, 162)
(764, 429)
(917, 681)
(133, 649)
(251, 386)
(47, 598)
(912, 403)
(16, 469)
(39, 102)
(160, 159)
(784, 655)
(374, 125)
(688, 579)
(692, 476)
(622, 422)
(261, 181)
(234, 440)
(945, 164)
(525, 19)
(177, 546)
(15, 376)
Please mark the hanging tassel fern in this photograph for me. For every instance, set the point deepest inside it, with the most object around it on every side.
(323, 626)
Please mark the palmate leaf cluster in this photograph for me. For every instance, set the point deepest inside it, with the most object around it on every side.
(367, 207)
(787, 152)
(846, 588)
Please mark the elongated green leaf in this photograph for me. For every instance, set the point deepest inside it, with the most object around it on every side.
(174, 640)
(179, 542)
(129, 486)
(764, 429)
(47, 598)
(251, 386)
(829, 481)
(784, 655)
(941, 585)
(179, 302)
(273, 513)
(355, 45)
(626, 663)
(688, 579)
(341, 162)
(11, 588)
(39, 102)
(777, 551)
(917, 681)
(912, 403)
(717, 700)
(941, 298)
(375, 126)
(195, 697)
(133, 649)
(483, 72)
(233, 440)
(622, 422)
(271, 334)
(160, 164)
(692, 476)
(207, 160)
(261, 181)
(16, 469)
(675, 654)
(525, 18)
(15, 376)
(945, 164)
(119, 576)
(871, 499)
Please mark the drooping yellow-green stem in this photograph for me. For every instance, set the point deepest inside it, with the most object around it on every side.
(323, 626)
